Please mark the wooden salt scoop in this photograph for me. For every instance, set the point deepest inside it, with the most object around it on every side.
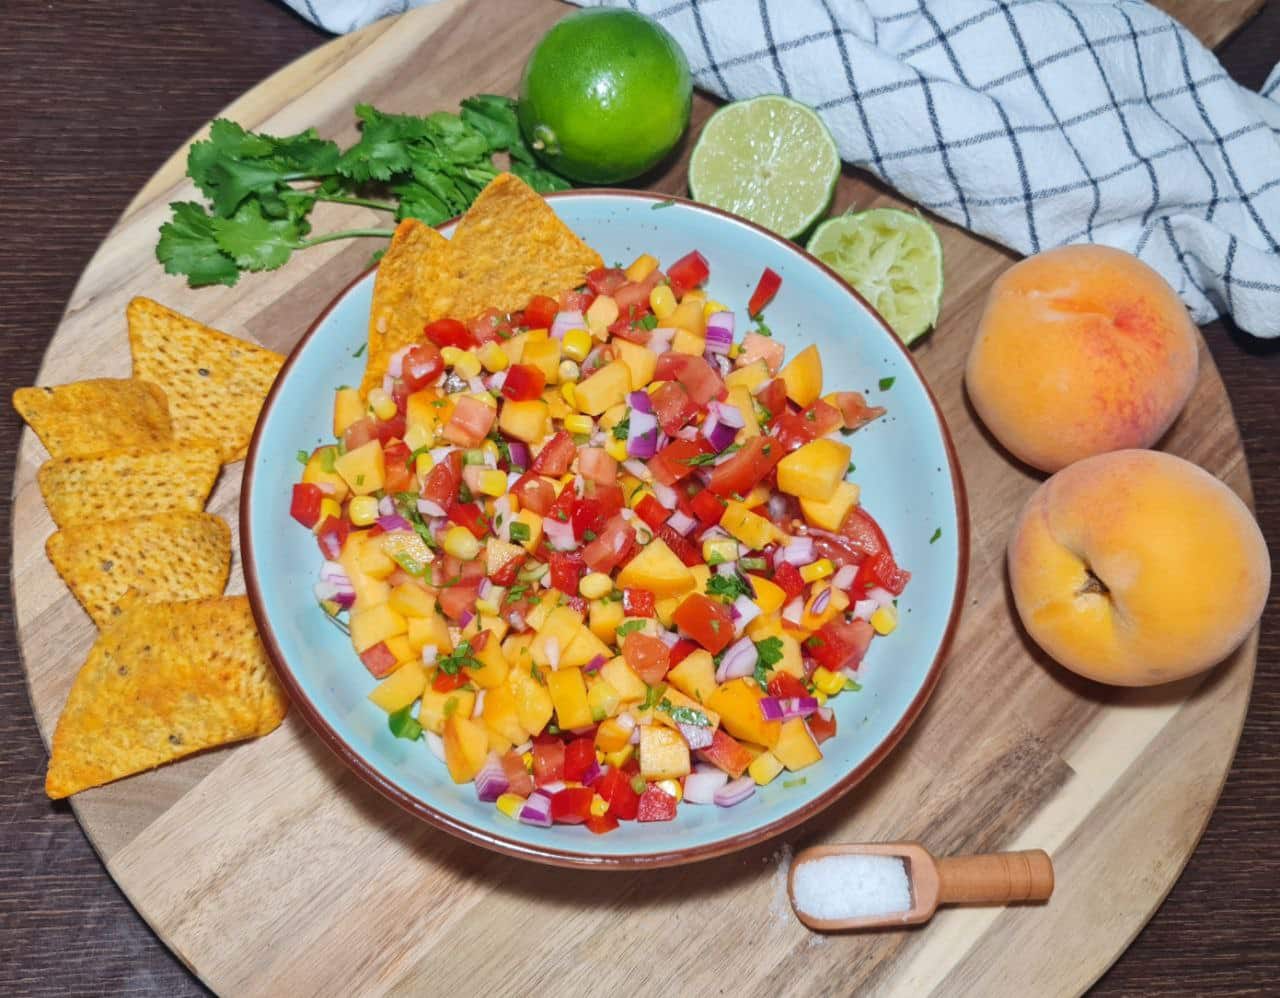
(994, 878)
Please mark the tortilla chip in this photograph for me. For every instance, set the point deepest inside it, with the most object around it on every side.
(87, 417)
(415, 285)
(138, 479)
(216, 383)
(171, 556)
(511, 246)
(164, 681)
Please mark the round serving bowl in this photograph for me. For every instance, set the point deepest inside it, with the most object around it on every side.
(905, 465)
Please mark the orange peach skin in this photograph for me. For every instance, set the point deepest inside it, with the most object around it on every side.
(1137, 567)
(1081, 350)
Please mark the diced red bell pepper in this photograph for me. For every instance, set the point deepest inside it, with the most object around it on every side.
(615, 787)
(707, 621)
(690, 271)
(540, 312)
(637, 603)
(747, 468)
(672, 406)
(656, 805)
(445, 682)
(548, 759)
(787, 578)
(838, 645)
(449, 333)
(764, 292)
(652, 512)
(332, 535)
(469, 515)
(601, 824)
(304, 505)
(507, 571)
(783, 684)
(556, 456)
(566, 570)
(523, 383)
(880, 570)
(379, 660)
(571, 806)
(586, 515)
(579, 757)
(681, 650)
(578, 604)
(680, 546)
(421, 366)
(707, 507)
(822, 727)
(674, 461)
(727, 753)
(647, 657)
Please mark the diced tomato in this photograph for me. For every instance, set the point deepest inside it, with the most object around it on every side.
(572, 805)
(548, 759)
(774, 398)
(652, 512)
(578, 604)
(681, 650)
(449, 333)
(471, 571)
(332, 535)
(441, 485)
(421, 366)
(822, 727)
(470, 422)
(610, 549)
(838, 645)
(469, 515)
(656, 805)
(637, 603)
(787, 578)
(534, 493)
(540, 312)
(861, 541)
(698, 377)
(566, 570)
(688, 272)
(747, 468)
(707, 507)
(609, 497)
(635, 294)
(445, 682)
(606, 280)
(615, 787)
(647, 656)
(379, 660)
(596, 465)
(523, 382)
(517, 776)
(579, 757)
(562, 508)
(387, 430)
(400, 393)
(673, 407)
(764, 292)
(505, 575)
(705, 620)
(783, 684)
(458, 599)
(396, 461)
(854, 410)
(576, 301)
(586, 515)
(795, 429)
(680, 546)
(359, 433)
(601, 824)
(880, 570)
(675, 461)
(627, 324)
(304, 505)
(556, 456)
(727, 753)
(489, 325)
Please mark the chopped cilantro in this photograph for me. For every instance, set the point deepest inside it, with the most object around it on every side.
(652, 695)
(360, 350)
(450, 707)
(852, 468)
(728, 587)
(403, 724)
(852, 686)
(700, 460)
(303, 457)
(412, 459)
(536, 673)
(684, 715)
(886, 383)
(588, 535)
(936, 534)
(752, 564)
(327, 456)
(662, 204)
(456, 659)
(799, 781)
(649, 322)
(516, 591)
(622, 429)
(519, 532)
(762, 329)
(629, 627)
(359, 479)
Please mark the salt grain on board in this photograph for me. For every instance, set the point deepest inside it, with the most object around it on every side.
(855, 886)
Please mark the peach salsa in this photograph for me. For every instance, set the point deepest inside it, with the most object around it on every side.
(601, 554)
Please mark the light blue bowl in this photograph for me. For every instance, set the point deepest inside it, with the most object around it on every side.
(905, 464)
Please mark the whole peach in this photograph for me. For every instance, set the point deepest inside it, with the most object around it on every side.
(1137, 567)
(1081, 350)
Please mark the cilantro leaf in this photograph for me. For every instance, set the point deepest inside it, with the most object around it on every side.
(622, 429)
(728, 587)
(542, 181)
(254, 241)
(188, 246)
(404, 725)
(684, 715)
(769, 654)
(886, 383)
(629, 627)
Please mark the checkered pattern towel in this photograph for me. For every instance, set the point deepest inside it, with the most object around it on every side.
(1032, 122)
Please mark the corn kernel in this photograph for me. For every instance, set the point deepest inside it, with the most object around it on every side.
(599, 806)
(579, 424)
(423, 465)
(487, 606)
(576, 344)
(363, 510)
(662, 300)
(492, 482)
(510, 804)
(451, 355)
(568, 371)
(491, 452)
(827, 681)
(885, 620)
(641, 267)
(461, 543)
(671, 787)
(712, 307)
(382, 404)
(328, 507)
(468, 365)
(616, 449)
(493, 357)
(819, 569)
(567, 393)
(595, 585)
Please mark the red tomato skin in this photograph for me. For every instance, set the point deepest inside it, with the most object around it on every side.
(838, 645)
(854, 410)
(517, 776)
(774, 398)
(821, 728)
(656, 805)
(612, 548)
(304, 506)
(787, 578)
(705, 620)
(688, 272)
(469, 515)
(379, 660)
(387, 430)
(698, 377)
(540, 312)
(556, 456)
(579, 757)
(396, 461)
(615, 787)
(672, 463)
(606, 280)
(523, 383)
(783, 684)
(571, 806)
(548, 759)
(681, 546)
(458, 599)
(449, 333)
(576, 301)
(673, 407)
(534, 493)
(637, 603)
(652, 512)
(421, 366)
(332, 535)
(707, 507)
(566, 570)
(359, 433)
(795, 429)
(444, 682)
(681, 650)
(764, 292)
(601, 824)
(747, 468)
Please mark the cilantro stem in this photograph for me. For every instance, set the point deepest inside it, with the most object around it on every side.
(359, 202)
(345, 234)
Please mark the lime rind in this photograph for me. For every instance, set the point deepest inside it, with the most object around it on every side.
(893, 258)
(769, 159)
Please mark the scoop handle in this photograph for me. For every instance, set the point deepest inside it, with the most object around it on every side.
(995, 877)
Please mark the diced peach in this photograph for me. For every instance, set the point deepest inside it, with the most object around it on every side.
(466, 746)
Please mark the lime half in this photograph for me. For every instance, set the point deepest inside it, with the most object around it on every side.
(894, 260)
(770, 160)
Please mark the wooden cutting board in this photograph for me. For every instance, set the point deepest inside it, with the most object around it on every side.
(269, 868)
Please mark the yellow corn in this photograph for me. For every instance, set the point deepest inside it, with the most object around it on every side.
(671, 787)
(568, 371)
(616, 449)
(382, 404)
(595, 585)
(712, 307)
(468, 365)
(579, 424)
(492, 482)
(510, 804)
(493, 357)
(576, 344)
(491, 451)
(363, 510)
(423, 465)
(641, 267)
(329, 507)
(662, 300)
(827, 681)
(599, 806)
(885, 620)
(461, 543)
(451, 355)
(486, 606)
(819, 569)
(566, 393)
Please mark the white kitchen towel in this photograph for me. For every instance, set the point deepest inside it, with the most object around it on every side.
(1033, 122)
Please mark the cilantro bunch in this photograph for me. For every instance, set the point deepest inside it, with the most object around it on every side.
(261, 189)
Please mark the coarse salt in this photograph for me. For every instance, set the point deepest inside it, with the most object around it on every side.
(853, 886)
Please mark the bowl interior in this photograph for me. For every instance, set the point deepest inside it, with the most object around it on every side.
(902, 463)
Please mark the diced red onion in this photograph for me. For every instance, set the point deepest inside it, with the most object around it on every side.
(640, 402)
(429, 507)
(592, 772)
(864, 608)
(552, 650)
(516, 619)
(722, 363)
(669, 638)
(330, 544)
(520, 456)
(495, 381)
(595, 665)
(436, 744)
(395, 366)
(821, 602)
(666, 495)
(729, 414)
(332, 571)
(636, 468)
(700, 786)
(825, 713)
(491, 781)
(523, 747)
(388, 384)
(386, 506)
(719, 435)
(799, 551)
(739, 660)
(682, 523)
(553, 787)
(777, 507)
(660, 339)
(476, 384)
(438, 454)
(328, 592)
(642, 435)
(744, 612)
(635, 735)
(429, 654)
(394, 522)
(626, 721)
(466, 618)
(486, 588)
(536, 810)
(793, 612)
(564, 321)
(720, 332)
(843, 578)
(687, 433)
(559, 535)
(698, 736)
(735, 792)
(785, 708)
(328, 488)
(882, 596)
(346, 600)
(478, 709)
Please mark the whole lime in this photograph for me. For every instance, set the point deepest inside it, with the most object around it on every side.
(605, 96)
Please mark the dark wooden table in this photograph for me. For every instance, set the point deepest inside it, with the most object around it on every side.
(93, 98)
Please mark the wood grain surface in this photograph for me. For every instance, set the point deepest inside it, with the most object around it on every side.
(94, 100)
